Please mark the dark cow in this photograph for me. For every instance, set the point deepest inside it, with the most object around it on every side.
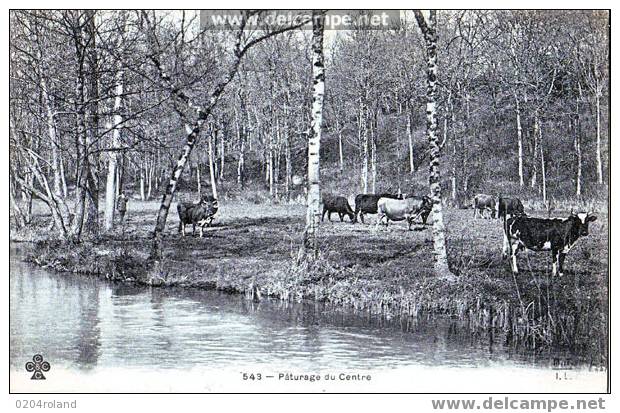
(367, 204)
(509, 206)
(539, 234)
(402, 209)
(483, 202)
(338, 204)
(200, 214)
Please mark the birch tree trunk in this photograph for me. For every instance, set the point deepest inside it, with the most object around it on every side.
(429, 31)
(111, 183)
(241, 163)
(310, 246)
(577, 132)
(534, 177)
(63, 178)
(599, 160)
(91, 219)
(211, 165)
(364, 132)
(49, 113)
(410, 138)
(373, 156)
(288, 168)
(142, 186)
(519, 140)
(198, 181)
(543, 172)
(222, 156)
(340, 153)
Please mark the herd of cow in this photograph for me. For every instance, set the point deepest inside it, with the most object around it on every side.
(521, 231)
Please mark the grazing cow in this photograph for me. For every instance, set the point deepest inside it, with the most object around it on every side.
(509, 206)
(367, 204)
(483, 202)
(401, 209)
(539, 234)
(338, 204)
(200, 214)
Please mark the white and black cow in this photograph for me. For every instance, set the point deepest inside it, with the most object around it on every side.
(539, 234)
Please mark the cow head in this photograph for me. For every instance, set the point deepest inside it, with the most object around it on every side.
(209, 203)
(581, 222)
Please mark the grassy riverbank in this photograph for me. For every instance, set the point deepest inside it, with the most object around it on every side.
(250, 250)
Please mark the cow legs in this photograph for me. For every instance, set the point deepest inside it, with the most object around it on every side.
(558, 263)
(182, 228)
(193, 229)
(362, 217)
(329, 216)
(323, 216)
(425, 217)
(513, 263)
(380, 219)
(340, 214)
(506, 247)
(561, 257)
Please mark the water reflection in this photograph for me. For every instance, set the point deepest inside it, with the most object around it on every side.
(84, 323)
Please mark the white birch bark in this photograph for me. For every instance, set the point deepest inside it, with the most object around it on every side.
(429, 30)
(310, 243)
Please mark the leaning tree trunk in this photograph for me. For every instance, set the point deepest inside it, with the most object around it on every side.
(429, 30)
(18, 215)
(211, 164)
(310, 246)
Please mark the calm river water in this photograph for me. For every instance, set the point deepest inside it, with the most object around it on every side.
(82, 322)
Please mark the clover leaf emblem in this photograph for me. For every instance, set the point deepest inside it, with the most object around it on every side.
(38, 366)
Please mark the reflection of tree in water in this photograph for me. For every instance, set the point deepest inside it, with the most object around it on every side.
(165, 331)
(89, 334)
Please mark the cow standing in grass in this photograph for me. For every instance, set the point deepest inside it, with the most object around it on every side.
(200, 214)
(509, 206)
(367, 204)
(539, 234)
(402, 209)
(338, 204)
(484, 202)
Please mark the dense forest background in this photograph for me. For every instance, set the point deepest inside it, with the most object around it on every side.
(95, 99)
